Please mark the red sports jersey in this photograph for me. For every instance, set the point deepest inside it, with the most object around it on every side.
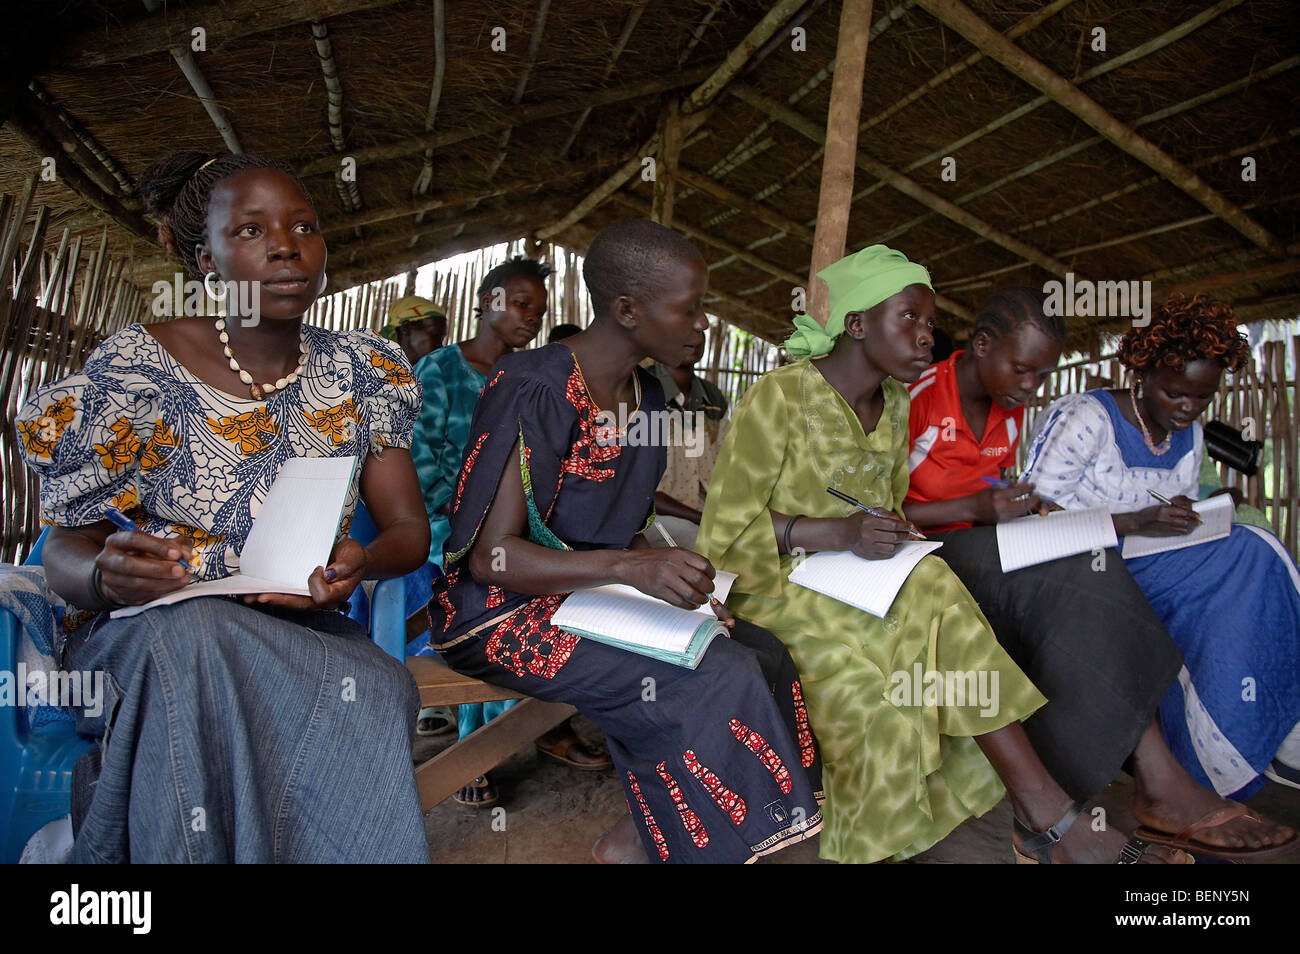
(947, 460)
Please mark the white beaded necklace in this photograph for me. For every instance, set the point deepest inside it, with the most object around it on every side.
(260, 391)
(1155, 448)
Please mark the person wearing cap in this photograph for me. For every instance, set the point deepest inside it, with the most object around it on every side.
(417, 325)
(904, 764)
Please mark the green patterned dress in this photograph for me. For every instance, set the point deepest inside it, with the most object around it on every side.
(898, 777)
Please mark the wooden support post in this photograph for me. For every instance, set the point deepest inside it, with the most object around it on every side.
(835, 199)
(670, 148)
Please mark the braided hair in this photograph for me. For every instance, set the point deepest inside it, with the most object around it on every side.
(1009, 308)
(1184, 330)
(514, 268)
(178, 188)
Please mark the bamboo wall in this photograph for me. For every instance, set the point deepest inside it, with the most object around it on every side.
(55, 308)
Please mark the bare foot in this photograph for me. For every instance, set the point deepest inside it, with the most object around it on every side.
(621, 845)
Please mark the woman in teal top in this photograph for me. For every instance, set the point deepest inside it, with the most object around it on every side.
(511, 305)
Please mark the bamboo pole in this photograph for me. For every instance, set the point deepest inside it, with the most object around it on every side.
(706, 92)
(633, 16)
(835, 197)
(902, 183)
(1039, 165)
(962, 19)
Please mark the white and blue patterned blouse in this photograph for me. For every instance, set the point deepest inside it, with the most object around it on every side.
(1085, 454)
(136, 430)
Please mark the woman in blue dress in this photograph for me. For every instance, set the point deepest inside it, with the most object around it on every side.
(1232, 605)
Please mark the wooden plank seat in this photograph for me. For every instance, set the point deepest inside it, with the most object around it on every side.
(455, 767)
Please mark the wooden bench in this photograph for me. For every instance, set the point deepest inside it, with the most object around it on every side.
(454, 768)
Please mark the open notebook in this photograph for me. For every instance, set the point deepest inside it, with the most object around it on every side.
(1216, 523)
(870, 585)
(624, 617)
(1028, 541)
(292, 535)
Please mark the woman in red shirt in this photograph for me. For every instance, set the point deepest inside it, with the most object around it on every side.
(1079, 627)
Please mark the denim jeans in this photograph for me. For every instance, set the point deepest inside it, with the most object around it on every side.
(233, 733)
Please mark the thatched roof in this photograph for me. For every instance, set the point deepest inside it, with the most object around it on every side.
(1123, 164)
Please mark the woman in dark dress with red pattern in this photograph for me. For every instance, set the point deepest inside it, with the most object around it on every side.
(718, 763)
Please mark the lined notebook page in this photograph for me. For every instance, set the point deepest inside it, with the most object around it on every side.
(638, 619)
(870, 585)
(292, 534)
(1216, 523)
(1031, 540)
(722, 581)
(294, 531)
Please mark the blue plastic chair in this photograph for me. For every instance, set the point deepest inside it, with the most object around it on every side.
(36, 764)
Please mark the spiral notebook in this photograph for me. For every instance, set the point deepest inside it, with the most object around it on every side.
(624, 617)
(292, 534)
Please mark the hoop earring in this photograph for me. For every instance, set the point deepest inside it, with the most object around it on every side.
(207, 287)
(1138, 392)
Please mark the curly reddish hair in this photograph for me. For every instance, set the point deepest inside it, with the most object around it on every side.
(1184, 330)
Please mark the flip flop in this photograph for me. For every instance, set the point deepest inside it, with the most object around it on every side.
(560, 753)
(484, 785)
(1213, 819)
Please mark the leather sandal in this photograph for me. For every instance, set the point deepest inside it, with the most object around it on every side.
(1036, 847)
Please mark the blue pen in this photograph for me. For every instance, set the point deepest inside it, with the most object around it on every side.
(122, 521)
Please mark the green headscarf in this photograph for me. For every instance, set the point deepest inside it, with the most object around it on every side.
(855, 283)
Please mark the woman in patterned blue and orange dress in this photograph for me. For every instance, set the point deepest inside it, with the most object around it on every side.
(718, 763)
(236, 729)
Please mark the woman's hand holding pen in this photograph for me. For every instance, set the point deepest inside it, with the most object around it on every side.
(997, 504)
(135, 567)
(875, 536)
(680, 577)
(1173, 519)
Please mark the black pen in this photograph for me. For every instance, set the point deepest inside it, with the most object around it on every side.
(916, 534)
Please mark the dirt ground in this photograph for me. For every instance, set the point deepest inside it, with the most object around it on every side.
(554, 814)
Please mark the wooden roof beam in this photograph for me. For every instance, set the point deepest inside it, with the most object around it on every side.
(223, 20)
(962, 19)
(420, 206)
(693, 111)
(519, 117)
(902, 183)
(26, 126)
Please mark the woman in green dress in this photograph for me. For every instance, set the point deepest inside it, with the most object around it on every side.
(901, 770)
